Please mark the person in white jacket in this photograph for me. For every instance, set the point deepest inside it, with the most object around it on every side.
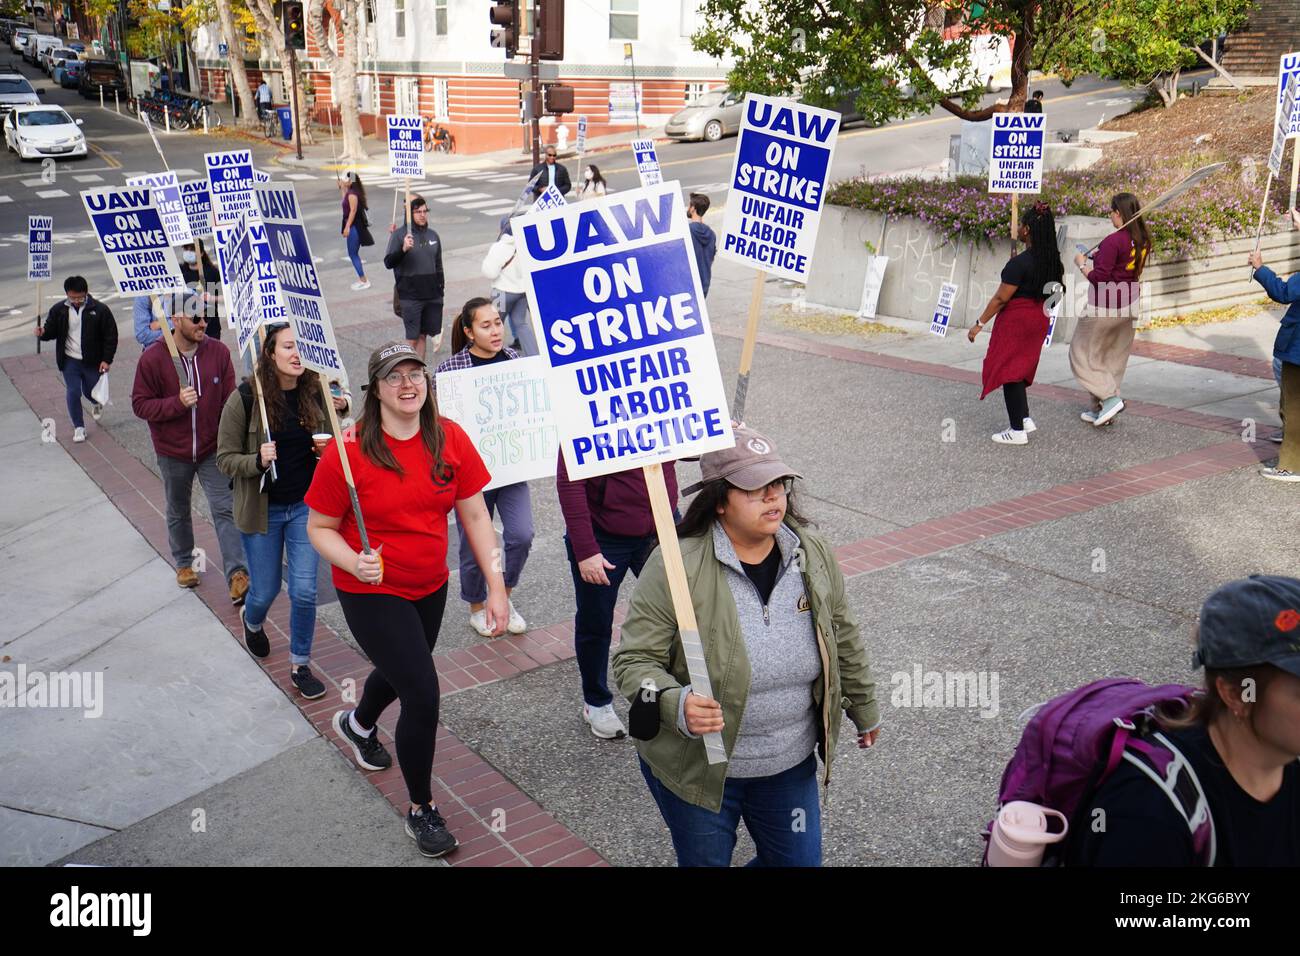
(506, 271)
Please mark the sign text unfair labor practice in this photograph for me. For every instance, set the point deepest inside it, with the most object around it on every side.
(130, 229)
(778, 181)
(1016, 159)
(619, 312)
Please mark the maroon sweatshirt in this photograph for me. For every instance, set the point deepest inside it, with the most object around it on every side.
(188, 434)
(618, 504)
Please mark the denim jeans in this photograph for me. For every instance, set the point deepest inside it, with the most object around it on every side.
(517, 533)
(354, 250)
(593, 625)
(780, 812)
(513, 307)
(178, 487)
(78, 379)
(285, 539)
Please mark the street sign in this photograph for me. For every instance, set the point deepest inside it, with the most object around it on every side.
(624, 102)
(1016, 154)
(647, 162)
(40, 245)
(223, 49)
(406, 146)
(167, 197)
(230, 184)
(131, 235)
(943, 310)
(582, 134)
(523, 71)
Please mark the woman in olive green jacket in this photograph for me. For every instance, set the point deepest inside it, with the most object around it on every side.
(784, 659)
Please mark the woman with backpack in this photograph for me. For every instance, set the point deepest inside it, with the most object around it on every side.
(509, 288)
(1020, 304)
(477, 339)
(784, 657)
(269, 511)
(356, 224)
(1240, 739)
(1100, 346)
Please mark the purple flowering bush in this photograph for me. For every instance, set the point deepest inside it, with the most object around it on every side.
(1225, 206)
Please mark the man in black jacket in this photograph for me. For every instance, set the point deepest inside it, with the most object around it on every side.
(553, 173)
(415, 256)
(85, 342)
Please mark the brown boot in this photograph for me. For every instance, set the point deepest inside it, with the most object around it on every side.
(186, 578)
(238, 587)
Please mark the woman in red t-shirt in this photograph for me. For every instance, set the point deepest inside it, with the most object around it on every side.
(410, 468)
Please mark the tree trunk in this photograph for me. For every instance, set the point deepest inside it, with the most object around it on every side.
(238, 75)
(343, 72)
(268, 26)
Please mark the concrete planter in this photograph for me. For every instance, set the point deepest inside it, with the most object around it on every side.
(921, 260)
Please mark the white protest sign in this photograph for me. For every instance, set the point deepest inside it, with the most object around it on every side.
(1282, 124)
(620, 317)
(198, 207)
(505, 408)
(1016, 152)
(406, 146)
(297, 280)
(240, 282)
(624, 102)
(778, 178)
(166, 191)
(230, 184)
(871, 286)
(1053, 314)
(582, 134)
(549, 199)
(134, 242)
(221, 238)
(1288, 74)
(647, 162)
(943, 310)
(40, 247)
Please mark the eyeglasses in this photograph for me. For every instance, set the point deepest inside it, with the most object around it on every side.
(780, 488)
(396, 379)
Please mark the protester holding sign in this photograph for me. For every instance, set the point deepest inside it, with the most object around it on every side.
(410, 468)
(1099, 350)
(785, 657)
(183, 423)
(1020, 304)
(550, 173)
(415, 256)
(593, 184)
(478, 339)
(505, 268)
(1286, 351)
(85, 341)
(270, 512)
(201, 274)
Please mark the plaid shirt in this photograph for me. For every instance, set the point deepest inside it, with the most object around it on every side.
(462, 359)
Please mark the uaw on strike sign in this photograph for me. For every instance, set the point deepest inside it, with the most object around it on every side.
(406, 146)
(778, 179)
(135, 244)
(619, 313)
(1016, 161)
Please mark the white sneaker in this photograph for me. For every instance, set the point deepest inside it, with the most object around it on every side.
(437, 343)
(517, 624)
(1089, 416)
(478, 621)
(97, 411)
(78, 434)
(604, 722)
(1029, 425)
(361, 285)
(1011, 437)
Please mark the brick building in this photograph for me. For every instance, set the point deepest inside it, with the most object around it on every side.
(1273, 30)
(434, 57)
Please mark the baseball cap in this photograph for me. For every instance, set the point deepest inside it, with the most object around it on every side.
(390, 355)
(1255, 620)
(752, 464)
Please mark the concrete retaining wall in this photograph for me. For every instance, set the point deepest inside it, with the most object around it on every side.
(920, 261)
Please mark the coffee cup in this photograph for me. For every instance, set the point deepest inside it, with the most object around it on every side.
(318, 442)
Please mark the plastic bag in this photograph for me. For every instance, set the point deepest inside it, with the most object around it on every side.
(100, 392)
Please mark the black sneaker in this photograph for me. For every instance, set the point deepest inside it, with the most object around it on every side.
(370, 753)
(258, 645)
(307, 683)
(429, 831)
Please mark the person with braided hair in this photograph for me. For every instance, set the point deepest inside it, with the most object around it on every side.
(1020, 305)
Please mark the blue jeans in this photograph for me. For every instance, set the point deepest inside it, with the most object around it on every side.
(593, 625)
(78, 379)
(516, 532)
(354, 250)
(780, 812)
(285, 538)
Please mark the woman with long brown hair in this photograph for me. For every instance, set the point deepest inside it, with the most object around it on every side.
(1101, 344)
(356, 225)
(410, 467)
(269, 511)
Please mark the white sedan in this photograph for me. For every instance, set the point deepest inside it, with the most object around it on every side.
(34, 132)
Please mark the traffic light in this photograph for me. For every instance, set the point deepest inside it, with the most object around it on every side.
(295, 30)
(557, 97)
(550, 39)
(505, 17)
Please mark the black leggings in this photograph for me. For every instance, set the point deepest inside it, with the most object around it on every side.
(1017, 400)
(398, 636)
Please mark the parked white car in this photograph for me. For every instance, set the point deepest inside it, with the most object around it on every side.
(15, 90)
(34, 132)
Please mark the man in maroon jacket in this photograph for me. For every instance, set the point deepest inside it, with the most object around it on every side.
(183, 422)
(610, 529)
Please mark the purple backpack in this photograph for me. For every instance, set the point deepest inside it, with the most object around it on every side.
(1074, 742)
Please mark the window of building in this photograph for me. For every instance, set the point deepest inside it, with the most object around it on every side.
(694, 91)
(440, 17)
(441, 106)
(623, 19)
(399, 13)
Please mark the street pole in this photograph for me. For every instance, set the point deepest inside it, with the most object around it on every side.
(535, 68)
(293, 99)
(636, 99)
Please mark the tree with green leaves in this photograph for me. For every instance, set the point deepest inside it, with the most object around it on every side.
(890, 55)
(1150, 42)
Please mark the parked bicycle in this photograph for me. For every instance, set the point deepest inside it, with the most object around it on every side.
(437, 138)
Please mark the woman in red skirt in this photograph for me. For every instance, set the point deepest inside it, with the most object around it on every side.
(1020, 305)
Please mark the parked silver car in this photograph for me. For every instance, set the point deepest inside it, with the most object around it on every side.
(711, 117)
(16, 91)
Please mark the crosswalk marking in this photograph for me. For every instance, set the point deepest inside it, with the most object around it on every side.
(184, 173)
(88, 178)
(497, 210)
(4, 199)
(50, 193)
(35, 182)
(448, 197)
(478, 204)
(299, 176)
